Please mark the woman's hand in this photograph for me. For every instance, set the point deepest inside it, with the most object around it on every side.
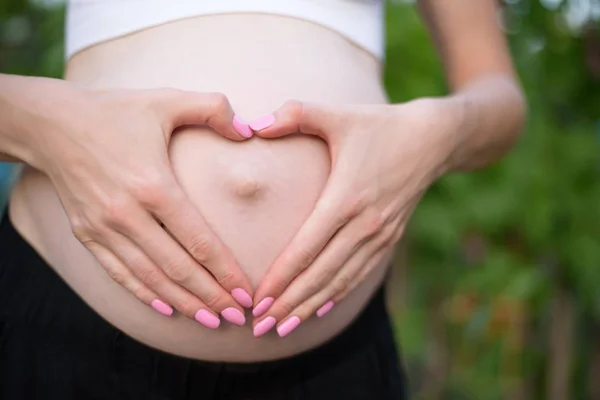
(383, 160)
(107, 156)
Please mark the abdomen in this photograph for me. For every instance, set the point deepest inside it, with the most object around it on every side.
(255, 195)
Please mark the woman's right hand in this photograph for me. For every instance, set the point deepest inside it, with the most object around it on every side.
(107, 156)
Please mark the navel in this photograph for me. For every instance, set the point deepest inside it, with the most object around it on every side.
(247, 187)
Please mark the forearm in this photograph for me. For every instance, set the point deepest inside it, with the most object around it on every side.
(491, 113)
(30, 107)
(487, 102)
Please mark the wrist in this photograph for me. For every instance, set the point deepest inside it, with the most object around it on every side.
(490, 114)
(461, 121)
(39, 112)
(443, 122)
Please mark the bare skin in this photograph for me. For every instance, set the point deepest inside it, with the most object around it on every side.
(263, 198)
(403, 149)
(253, 194)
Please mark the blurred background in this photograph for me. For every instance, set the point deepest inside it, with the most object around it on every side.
(496, 292)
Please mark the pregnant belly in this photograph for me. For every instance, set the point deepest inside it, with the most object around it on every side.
(255, 195)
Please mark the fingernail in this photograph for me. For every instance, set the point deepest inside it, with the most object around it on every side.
(234, 316)
(264, 326)
(242, 127)
(162, 307)
(263, 306)
(242, 297)
(207, 319)
(325, 308)
(288, 326)
(263, 122)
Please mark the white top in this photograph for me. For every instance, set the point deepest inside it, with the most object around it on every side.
(91, 22)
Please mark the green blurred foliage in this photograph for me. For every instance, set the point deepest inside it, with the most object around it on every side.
(532, 220)
(488, 251)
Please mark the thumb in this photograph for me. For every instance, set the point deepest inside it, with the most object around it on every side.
(180, 107)
(293, 117)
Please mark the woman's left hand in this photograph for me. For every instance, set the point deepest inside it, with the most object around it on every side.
(384, 157)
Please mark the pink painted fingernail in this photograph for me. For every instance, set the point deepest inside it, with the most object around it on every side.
(263, 306)
(325, 308)
(162, 307)
(264, 326)
(234, 316)
(242, 127)
(263, 122)
(288, 326)
(242, 297)
(207, 319)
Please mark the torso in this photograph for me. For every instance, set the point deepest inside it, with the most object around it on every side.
(258, 61)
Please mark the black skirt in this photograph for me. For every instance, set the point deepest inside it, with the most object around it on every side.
(54, 346)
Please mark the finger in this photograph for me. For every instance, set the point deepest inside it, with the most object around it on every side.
(361, 259)
(325, 220)
(362, 263)
(296, 116)
(123, 276)
(344, 244)
(185, 223)
(323, 302)
(181, 107)
(387, 246)
(178, 266)
(151, 276)
(358, 279)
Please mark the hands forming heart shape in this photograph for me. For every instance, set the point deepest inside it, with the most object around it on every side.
(114, 178)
